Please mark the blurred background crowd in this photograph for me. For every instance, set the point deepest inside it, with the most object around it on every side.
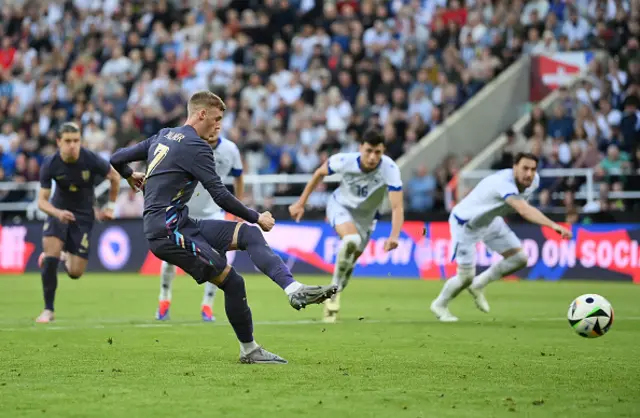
(302, 79)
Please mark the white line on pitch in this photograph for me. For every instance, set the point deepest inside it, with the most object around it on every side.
(128, 324)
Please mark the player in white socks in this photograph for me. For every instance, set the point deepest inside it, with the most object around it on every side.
(478, 217)
(202, 206)
(352, 210)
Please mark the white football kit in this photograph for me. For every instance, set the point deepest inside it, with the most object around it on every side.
(478, 217)
(360, 194)
(228, 163)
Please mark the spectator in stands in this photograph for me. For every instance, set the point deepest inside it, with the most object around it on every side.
(573, 217)
(421, 191)
(615, 165)
(560, 124)
(544, 200)
(537, 115)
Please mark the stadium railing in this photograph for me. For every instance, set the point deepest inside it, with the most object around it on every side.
(30, 207)
(588, 192)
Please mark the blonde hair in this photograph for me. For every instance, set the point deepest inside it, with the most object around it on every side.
(205, 99)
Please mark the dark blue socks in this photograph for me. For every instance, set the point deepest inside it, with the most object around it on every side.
(49, 280)
(236, 306)
(252, 241)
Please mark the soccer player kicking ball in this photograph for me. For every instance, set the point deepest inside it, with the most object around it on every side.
(201, 206)
(70, 212)
(353, 208)
(478, 217)
(177, 159)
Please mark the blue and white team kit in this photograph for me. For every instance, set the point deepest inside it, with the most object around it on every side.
(360, 194)
(478, 216)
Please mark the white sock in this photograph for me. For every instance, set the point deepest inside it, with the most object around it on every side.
(505, 267)
(345, 259)
(451, 288)
(246, 348)
(456, 284)
(293, 288)
(210, 290)
(483, 279)
(166, 279)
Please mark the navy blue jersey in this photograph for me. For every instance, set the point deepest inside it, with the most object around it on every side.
(75, 181)
(177, 158)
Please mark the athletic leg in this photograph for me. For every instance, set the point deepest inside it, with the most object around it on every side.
(351, 235)
(167, 274)
(250, 239)
(77, 247)
(206, 308)
(501, 239)
(464, 253)
(52, 244)
(196, 257)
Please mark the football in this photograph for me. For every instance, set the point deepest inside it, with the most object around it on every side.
(590, 315)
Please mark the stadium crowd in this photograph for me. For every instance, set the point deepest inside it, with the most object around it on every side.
(302, 78)
(596, 126)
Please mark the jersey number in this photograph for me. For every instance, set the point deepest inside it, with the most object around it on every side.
(361, 191)
(84, 243)
(158, 155)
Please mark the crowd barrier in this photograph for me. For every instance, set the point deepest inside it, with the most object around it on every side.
(598, 252)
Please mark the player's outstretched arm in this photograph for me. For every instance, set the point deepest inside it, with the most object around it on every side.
(533, 215)
(121, 158)
(296, 210)
(202, 166)
(396, 199)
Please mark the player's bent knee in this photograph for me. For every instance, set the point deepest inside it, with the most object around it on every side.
(233, 283)
(246, 235)
(466, 272)
(75, 275)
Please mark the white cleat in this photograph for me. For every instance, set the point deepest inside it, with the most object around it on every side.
(478, 297)
(331, 309)
(45, 317)
(442, 313)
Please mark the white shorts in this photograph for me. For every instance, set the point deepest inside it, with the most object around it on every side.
(498, 237)
(338, 215)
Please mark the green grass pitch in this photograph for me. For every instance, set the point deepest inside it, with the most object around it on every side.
(106, 357)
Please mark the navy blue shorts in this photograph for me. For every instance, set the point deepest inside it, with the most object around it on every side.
(198, 248)
(76, 236)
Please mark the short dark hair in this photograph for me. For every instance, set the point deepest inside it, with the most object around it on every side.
(525, 156)
(373, 137)
(68, 127)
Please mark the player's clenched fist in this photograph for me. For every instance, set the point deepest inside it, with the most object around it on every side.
(390, 244)
(136, 181)
(266, 221)
(296, 211)
(564, 233)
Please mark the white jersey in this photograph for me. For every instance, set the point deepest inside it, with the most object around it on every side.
(359, 191)
(228, 163)
(487, 200)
